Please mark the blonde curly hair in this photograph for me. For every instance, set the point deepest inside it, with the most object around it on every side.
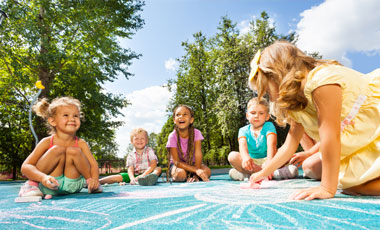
(46, 110)
(255, 101)
(284, 65)
(136, 131)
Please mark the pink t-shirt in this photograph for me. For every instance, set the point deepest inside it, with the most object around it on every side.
(172, 143)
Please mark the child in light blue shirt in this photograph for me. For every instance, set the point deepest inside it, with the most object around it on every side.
(257, 145)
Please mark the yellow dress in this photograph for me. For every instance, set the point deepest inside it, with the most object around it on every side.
(360, 120)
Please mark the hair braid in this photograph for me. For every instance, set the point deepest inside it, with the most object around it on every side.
(180, 152)
(190, 145)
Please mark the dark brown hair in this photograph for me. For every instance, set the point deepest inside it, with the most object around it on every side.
(190, 143)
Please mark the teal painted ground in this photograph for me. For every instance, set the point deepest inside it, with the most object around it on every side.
(219, 204)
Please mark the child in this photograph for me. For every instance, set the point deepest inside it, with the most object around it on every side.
(257, 143)
(61, 163)
(333, 105)
(184, 146)
(141, 163)
(310, 159)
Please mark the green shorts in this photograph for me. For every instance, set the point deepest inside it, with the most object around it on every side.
(126, 178)
(66, 186)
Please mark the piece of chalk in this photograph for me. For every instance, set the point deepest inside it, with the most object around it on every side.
(28, 199)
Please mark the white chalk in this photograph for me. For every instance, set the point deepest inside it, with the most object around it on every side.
(28, 199)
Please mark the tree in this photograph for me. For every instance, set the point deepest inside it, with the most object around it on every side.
(212, 79)
(162, 139)
(231, 61)
(193, 85)
(72, 47)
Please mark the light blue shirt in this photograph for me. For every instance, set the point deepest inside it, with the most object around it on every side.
(257, 146)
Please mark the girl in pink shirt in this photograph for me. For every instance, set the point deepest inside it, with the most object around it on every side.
(185, 150)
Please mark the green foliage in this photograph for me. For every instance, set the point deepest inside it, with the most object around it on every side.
(162, 139)
(212, 79)
(72, 47)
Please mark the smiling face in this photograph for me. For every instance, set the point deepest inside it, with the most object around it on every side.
(257, 115)
(66, 119)
(183, 118)
(140, 140)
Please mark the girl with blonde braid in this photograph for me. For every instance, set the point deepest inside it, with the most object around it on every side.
(185, 150)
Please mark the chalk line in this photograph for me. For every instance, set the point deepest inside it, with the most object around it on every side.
(126, 225)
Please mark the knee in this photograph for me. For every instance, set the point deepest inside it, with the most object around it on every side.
(73, 152)
(311, 170)
(57, 151)
(158, 170)
(207, 170)
(179, 175)
(307, 165)
(233, 156)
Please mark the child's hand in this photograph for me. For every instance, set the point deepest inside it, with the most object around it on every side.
(248, 164)
(133, 181)
(256, 178)
(92, 185)
(201, 173)
(50, 182)
(263, 166)
(298, 158)
(319, 192)
(193, 179)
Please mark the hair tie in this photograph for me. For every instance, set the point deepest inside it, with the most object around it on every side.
(255, 65)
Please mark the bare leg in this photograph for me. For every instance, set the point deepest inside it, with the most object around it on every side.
(111, 179)
(306, 142)
(76, 164)
(178, 174)
(236, 161)
(370, 188)
(312, 167)
(53, 161)
(157, 171)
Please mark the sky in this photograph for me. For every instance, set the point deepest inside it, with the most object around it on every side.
(344, 30)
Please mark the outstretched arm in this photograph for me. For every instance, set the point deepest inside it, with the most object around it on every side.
(328, 101)
(152, 166)
(271, 147)
(284, 153)
(131, 174)
(198, 161)
(94, 168)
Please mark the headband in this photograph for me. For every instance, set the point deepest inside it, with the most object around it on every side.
(254, 65)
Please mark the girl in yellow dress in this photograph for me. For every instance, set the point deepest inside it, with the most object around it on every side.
(332, 104)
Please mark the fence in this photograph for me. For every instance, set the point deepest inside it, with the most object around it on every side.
(111, 166)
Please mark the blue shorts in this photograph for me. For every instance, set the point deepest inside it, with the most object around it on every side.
(66, 186)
